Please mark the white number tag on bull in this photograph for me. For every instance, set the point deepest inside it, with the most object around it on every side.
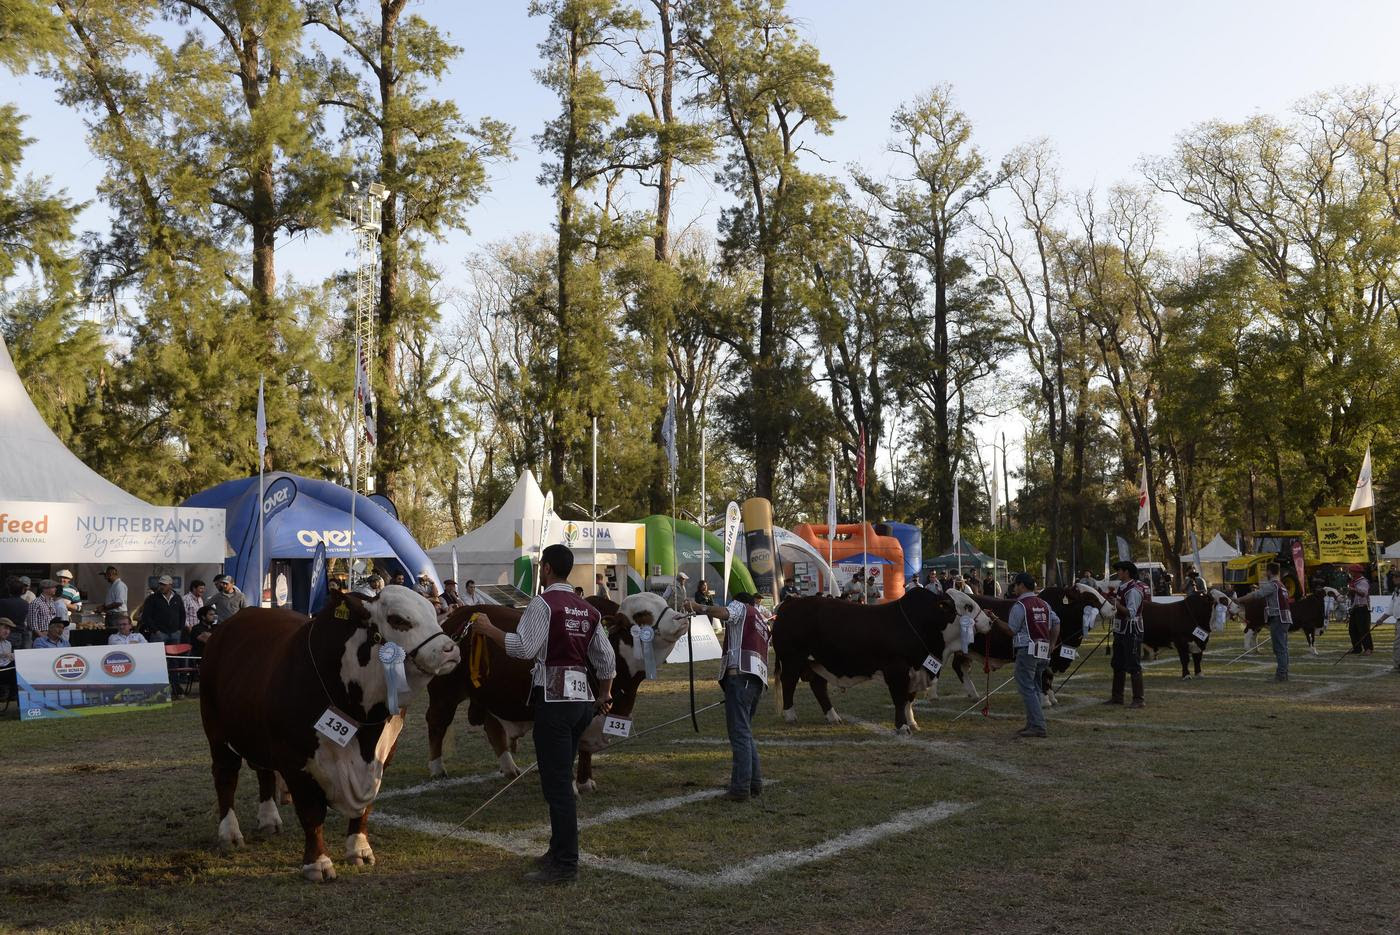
(933, 665)
(338, 727)
(1040, 649)
(617, 726)
(1200, 634)
(1067, 652)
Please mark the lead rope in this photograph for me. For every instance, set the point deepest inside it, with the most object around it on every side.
(457, 827)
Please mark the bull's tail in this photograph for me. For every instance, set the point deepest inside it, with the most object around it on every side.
(777, 688)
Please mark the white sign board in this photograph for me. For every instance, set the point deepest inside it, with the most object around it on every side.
(702, 636)
(91, 680)
(73, 533)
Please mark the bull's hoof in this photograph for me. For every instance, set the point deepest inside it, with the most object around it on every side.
(790, 715)
(831, 717)
(1186, 678)
(269, 819)
(358, 851)
(230, 836)
(436, 770)
(588, 785)
(903, 730)
(319, 871)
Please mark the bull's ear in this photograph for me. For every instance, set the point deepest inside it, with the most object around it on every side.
(343, 605)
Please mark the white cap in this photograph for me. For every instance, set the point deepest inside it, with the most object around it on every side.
(165, 579)
(64, 573)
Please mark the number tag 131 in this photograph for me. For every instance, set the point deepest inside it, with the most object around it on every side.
(617, 726)
(340, 728)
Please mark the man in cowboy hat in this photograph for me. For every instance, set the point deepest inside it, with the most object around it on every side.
(1359, 623)
(1127, 633)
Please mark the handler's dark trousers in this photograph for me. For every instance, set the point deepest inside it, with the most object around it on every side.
(1359, 625)
(1278, 633)
(741, 694)
(558, 727)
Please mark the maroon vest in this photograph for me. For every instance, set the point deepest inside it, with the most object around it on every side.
(572, 621)
(746, 644)
(1037, 616)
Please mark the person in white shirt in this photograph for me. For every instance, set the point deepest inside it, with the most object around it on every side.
(1392, 613)
(115, 604)
(123, 636)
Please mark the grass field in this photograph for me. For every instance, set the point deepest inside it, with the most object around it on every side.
(1231, 804)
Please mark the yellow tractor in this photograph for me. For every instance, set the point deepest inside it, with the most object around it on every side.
(1270, 545)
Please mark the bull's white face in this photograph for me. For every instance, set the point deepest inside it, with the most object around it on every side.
(406, 617)
(1233, 608)
(644, 610)
(966, 605)
(1106, 609)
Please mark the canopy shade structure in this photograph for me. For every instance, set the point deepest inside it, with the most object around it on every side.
(503, 549)
(968, 555)
(687, 544)
(1391, 551)
(318, 512)
(1216, 550)
(34, 464)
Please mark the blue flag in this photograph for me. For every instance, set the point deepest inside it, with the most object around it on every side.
(319, 583)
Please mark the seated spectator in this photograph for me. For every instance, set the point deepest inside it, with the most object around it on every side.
(469, 596)
(54, 639)
(205, 624)
(163, 613)
(124, 635)
(7, 652)
(450, 597)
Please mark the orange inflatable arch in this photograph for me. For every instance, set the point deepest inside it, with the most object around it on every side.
(853, 539)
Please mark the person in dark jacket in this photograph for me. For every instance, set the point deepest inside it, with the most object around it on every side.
(163, 613)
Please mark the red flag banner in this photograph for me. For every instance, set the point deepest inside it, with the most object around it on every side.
(860, 461)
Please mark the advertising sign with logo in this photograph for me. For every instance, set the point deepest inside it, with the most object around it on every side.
(278, 496)
(1341, 538)
(91, 680)
(44, 531)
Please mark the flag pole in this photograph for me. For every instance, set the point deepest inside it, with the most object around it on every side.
(704, 548)
(357, 415)
(593, 507)
(262, 490)
(831, 527)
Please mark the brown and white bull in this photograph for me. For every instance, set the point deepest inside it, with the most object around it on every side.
(269, 677)
(823, 639)
(1309, 615)
(496, 687)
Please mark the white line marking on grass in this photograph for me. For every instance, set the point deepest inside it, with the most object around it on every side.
(432, 785)
(526, 845)
(764, 743)
(948, 749)
(623, 812)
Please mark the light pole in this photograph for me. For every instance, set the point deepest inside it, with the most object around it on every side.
(593, 515)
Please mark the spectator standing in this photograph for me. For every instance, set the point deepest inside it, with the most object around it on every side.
(124, 634)
(163, 613)
(68, 595)
(115, 602)
(989, 586)
(54, 638)
(193, 601)
(44, 609)
(469, 596)
(1195, 584)
(15, 608)
(1359, 623)
(600, 586)
(28, 593)
(226, 600)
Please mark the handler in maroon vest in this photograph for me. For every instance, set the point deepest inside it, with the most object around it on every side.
(743, 676)
(1034, 627)
(1127, 633)
(560, 631)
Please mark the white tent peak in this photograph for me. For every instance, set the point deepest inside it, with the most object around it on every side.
(491, 540)
(34, 464)
(1216, 550)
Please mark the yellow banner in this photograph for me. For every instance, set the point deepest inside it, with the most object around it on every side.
(1341, 538)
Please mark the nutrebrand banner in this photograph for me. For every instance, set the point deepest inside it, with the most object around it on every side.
(83, 680)
(763, 561)
(1341, 538)
(45, 531)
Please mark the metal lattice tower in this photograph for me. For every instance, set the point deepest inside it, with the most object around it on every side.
(363, 212)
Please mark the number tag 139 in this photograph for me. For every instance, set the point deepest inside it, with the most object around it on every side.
(340, 728)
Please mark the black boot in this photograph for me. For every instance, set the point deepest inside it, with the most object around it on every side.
(1137, 691)
(1118, 679)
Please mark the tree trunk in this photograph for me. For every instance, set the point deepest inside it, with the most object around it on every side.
(387, 411)
(942, 444)
(563, 265)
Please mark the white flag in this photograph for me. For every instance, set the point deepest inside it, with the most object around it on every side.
(262, 426)
(957, 525)
(994, 495)
(454, 564)
(831, 503)
(544, 530)
(732, 519)
(668, 432)
(1144, 512)
(1363, 496)
(1196, 547)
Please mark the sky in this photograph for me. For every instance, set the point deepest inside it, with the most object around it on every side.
(1109, 83)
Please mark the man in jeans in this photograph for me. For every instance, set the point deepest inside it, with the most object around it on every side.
(1275, 600)
(561, 632)
(1034, 630)
(743, 677)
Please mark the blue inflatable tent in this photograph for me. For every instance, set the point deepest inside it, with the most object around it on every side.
(301, 513)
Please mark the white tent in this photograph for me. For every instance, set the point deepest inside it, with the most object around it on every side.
(1392, 551)
(1217, 550)
(488, 553)
(65, 513)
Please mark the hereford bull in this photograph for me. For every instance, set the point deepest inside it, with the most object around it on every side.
(1079, 608)
(1178, 623)
(823, 639)
(1309, 615)
(497, 687)
(270, 679)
